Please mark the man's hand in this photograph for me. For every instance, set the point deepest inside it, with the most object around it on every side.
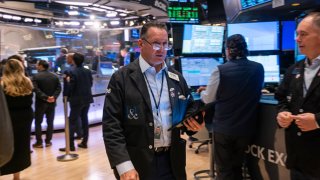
(284, 119)
(192, 125)
(130, 175)
(201, 88)
(51, 99)
(306, 121)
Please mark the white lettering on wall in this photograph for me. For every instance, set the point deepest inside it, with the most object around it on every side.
(273, 156)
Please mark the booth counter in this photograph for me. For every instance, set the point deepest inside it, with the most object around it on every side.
(267, 154)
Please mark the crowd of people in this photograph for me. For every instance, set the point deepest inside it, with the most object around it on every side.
(143, 98)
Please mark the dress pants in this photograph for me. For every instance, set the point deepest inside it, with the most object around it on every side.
(77, 111)
(229, 153)
(41, 109)
(161, 167)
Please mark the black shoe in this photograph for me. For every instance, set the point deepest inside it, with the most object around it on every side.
(48, 144)
(83, 145)
(64, 149)
(37, 145)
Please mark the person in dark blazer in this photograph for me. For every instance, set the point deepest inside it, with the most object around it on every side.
(235, 88)
(140, 101)
(299, 104)
(80, 96)
(47, 88)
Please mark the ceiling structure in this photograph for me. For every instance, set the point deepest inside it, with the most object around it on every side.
(85, 14)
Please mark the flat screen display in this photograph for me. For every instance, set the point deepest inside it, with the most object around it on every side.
(260, 36)
(271, 67)
(200, 39)
(288, 35)
(245, 4)
(135, 34)
(106, 68)
(197, 70)
(183, 14)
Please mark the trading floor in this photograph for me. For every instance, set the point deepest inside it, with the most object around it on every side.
(92, 163)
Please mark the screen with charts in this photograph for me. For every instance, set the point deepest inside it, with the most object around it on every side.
(260, 36)
(200, 39)
(197, 70)
(271, 67)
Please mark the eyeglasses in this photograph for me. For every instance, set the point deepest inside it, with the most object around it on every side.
(157, 46)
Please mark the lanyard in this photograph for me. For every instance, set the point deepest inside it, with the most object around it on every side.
(153, 97)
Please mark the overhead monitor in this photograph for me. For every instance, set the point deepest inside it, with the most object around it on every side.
(232, 9)
(135, 34)
(271, 67)
(200, 39)
(260, 36)
(183, 13)
(245, 4)
(197, 70)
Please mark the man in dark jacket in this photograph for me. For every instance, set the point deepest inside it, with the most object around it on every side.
(140, 101)
(47, 88)
(80, 97)
(235, 87)
(299, 104)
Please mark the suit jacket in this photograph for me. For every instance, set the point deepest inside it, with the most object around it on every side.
(46, 84)
(302, 147)
(80, 86)
(132, 138)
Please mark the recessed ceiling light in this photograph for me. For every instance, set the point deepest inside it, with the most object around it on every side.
(295, 4)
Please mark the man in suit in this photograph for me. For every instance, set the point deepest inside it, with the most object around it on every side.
(299, 103)
(61, 61)
(140, 101)
(47, 88)
(235, 87)
(80, 96)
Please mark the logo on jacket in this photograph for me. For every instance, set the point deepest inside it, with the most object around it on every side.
(108, 91)
(132, 114)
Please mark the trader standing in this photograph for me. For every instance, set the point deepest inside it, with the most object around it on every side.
(299, 103)
(235, 87)
(140, 101)
(47, 88)
(80, 96)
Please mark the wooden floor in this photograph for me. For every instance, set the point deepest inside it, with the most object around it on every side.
(92, 163)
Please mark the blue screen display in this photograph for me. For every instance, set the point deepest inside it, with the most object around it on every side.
(251, 3)
(260, 36)
(197, 70)
(271, 67)
(288, 34)
(135, 33)
(200, 39)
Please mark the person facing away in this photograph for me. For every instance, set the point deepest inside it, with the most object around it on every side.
(47, 88)
(18, 92)
(80, 96)
(235, 87)
(66, 93)
(140, 100)
(299, 103)
(61, 60)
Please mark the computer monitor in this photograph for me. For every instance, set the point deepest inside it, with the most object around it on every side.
(106, 68)
(271, 67)
(288, 35)
(197, 70)
(260, 36)
(200, 39)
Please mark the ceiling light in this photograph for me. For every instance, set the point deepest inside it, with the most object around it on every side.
(37, 20)
(114, 23)
(28, 20)
(122, 14)
(295, 4)
(92, 17)
(74, 3)
(73, 13)
(88, 23)
(6, 16)
(74, 23)
(112, 14)
(16, 18)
